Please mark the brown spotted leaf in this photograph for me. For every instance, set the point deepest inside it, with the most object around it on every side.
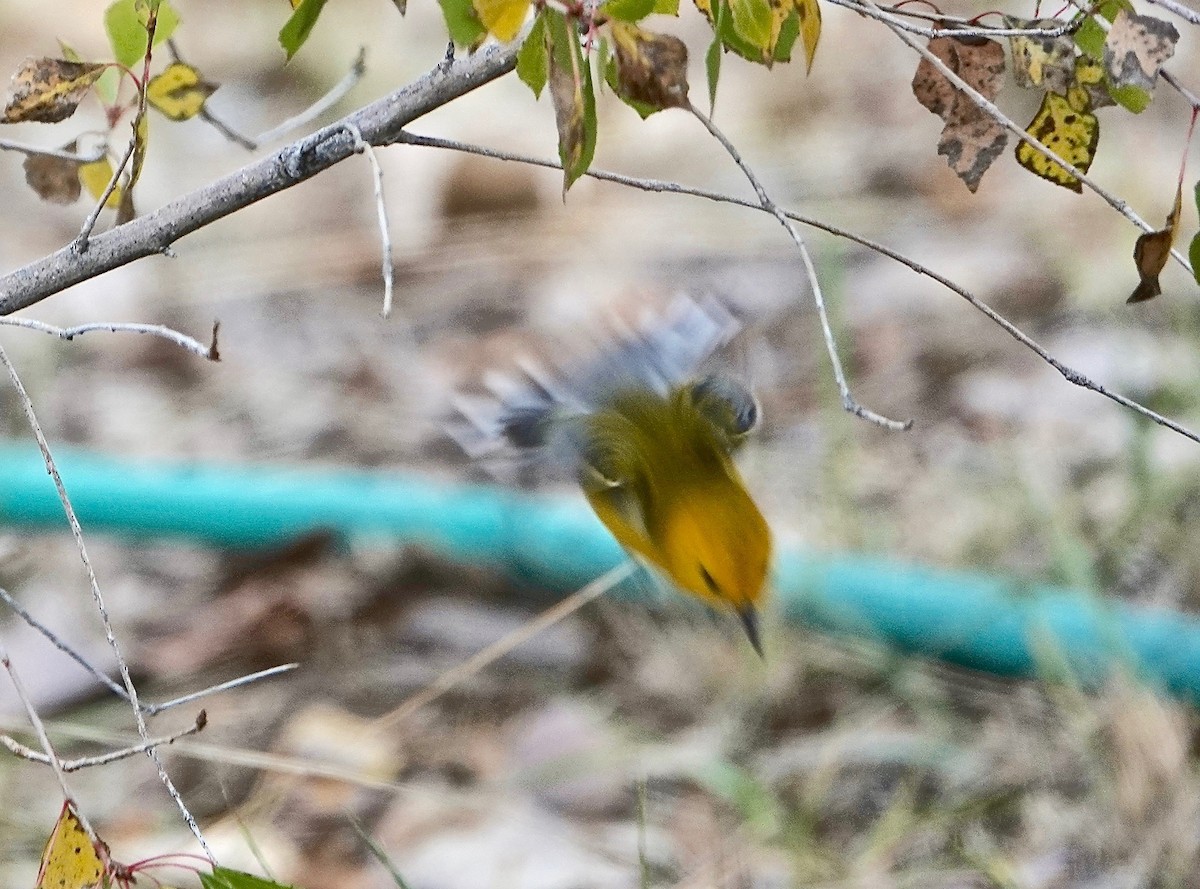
(651, 68)
(1137, 46)
(1070, 133)
(971, 138)
(1151, 252)
(49, 90)
(1042, 62)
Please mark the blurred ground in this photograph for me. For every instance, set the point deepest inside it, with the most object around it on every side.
(833, 764)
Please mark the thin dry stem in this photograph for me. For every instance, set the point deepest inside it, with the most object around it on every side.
(97, 596)
(503, 646)
(185, 342)
(39, 728)
(385, 236)
(97, 154)
(119, 690)
(848, 401)
(80, 244)
(73, 765)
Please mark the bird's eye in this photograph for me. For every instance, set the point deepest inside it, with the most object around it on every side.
(727, 403)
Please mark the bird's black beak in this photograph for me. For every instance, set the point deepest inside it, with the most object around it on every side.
(749, 619)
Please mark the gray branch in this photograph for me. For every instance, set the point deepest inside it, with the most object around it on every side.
(379, 123)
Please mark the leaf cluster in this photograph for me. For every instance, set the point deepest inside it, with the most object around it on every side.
(50, 90)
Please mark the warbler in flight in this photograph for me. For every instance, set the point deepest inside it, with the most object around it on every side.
(650, 440)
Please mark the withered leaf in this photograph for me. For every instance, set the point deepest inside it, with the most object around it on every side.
(55, 179)
(1042, 62)
(1071, 134)
(49, 90)
(971, 138)
(651, 68)
(574, 101)
(1151, 252)
(1136, 48)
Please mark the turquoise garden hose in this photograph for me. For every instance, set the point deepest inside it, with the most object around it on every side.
(972, 620)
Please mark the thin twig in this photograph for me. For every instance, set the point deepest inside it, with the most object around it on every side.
(1178, 9)
(80, 244)
(39, 728)
(98, 598)
(848, 400)
(323, 104)
(97, 154)
(155, 709)
(503, 646)
(659, 186)
(361, 146)
(116, 688)
(319, 107)
(957, 30)
(209, 352)
(1000, 117)
(74, 765)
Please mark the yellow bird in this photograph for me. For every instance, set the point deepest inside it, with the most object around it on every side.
(650, 441)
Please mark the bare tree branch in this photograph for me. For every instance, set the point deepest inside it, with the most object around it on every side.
(379, 123)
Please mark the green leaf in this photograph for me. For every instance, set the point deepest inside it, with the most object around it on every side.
(667, 7)
(751, 21)
(297, 28)
(712, 67)
(788, 33)
(224, 878)
(168, 21)
(1130, 97)
(126, 27)
(532, 62)
(1194, 250)
(1090, 37)
(126, 34)
(462, 21)
(628, 10)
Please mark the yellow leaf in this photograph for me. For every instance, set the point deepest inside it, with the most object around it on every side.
(1069, 133)
(95, 177)
(1045, 62)
(49, 90)
(810, 28)
(70, 860)
(1090, 89)
(502, 18)
(179, 92)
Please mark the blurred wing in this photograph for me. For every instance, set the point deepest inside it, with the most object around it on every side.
(534, 417)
